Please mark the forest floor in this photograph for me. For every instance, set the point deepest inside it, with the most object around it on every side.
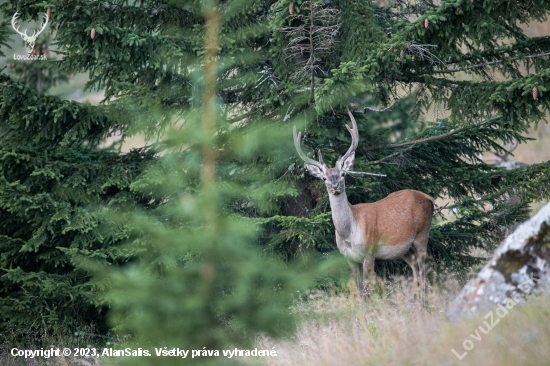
(391, 328)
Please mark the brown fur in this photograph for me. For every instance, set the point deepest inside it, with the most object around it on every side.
(393, 219)
(397, 226)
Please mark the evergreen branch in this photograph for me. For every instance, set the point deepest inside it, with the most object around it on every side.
(448, 85)
(420, 79)
(488, 63)
(408, 11)
(450, 133)
(239, 118)
(540, 43)
(366, 173)
(405, 11)
(311, 39)
(364, 110)
(265, 8)
(375, 110)
(119, 8)
(389, 156)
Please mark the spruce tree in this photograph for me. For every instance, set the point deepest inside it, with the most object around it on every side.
(55, 188)
(470, 58)
(162, 208)
(454, 56)
(202, 285)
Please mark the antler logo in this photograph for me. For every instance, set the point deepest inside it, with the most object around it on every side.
(29, 40)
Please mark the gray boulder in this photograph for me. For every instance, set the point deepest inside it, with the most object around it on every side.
(519, 267)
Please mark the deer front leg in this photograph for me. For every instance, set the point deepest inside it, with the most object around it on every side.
(356, 274)
(368, 275)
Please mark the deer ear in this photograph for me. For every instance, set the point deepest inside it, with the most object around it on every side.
(315, 171)
(347, 164)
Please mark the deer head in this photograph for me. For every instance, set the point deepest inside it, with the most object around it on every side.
(333, 177)
(30, 40)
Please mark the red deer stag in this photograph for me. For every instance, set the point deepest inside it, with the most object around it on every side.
(397, 226)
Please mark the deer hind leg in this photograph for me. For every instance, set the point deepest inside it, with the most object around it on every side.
(418, 262)
(411, 259)
(420, 248)
(421, 254)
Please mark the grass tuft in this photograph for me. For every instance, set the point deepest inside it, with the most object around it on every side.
(392, 329)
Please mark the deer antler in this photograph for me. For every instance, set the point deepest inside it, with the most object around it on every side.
(37, 33)
(29, 39)
(320, 165)
(15, 28)
(510, 148)
(507, 152)
(354, 138)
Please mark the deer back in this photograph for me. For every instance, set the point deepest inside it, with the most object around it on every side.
(394, 220)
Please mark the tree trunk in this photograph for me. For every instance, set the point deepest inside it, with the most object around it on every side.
(312, 55)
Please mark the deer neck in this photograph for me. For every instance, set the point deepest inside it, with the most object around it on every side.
(342, 217)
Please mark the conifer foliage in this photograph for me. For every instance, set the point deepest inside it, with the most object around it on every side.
(311, 38)
(55, 188)
(73, 214)
(202, 285)
(40, 76)
(470, 59)
(454, 58)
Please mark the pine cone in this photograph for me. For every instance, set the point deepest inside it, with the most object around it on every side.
(426, 23)
(93, 33)
(49, 13)
(291, 9)
(535, 92)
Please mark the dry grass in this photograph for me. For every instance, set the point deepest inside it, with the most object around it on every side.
(389, 329)
(35, 338)
(392, 330)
